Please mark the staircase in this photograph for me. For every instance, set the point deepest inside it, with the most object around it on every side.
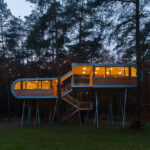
(75, 103)
(76, 106)
(68, 98)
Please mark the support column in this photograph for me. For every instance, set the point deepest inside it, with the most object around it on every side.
(124, 109)
(23, 107)
(79, 109)
(54, 111)
(37, 116)
(96, 113)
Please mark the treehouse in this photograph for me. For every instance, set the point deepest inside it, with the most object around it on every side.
(103, 75)
(114, 79)
(82, 75)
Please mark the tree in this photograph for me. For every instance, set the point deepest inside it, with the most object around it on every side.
(5, 15)
(131, 24)
(15, 40)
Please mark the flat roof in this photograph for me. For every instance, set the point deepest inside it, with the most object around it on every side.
(103, 65)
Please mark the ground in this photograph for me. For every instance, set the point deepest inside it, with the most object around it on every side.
(71, 137)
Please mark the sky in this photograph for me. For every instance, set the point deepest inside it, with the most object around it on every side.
(19, 7)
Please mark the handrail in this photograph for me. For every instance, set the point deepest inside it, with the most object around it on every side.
(67, 75)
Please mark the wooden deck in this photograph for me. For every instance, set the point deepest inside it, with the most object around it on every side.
(114, 81)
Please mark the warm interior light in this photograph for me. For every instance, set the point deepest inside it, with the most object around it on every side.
(119, 72)
(84, 68)
(110, 68)
(95, 72)
(46, 81)
(107, 72)
(97, 68)
(83, 72)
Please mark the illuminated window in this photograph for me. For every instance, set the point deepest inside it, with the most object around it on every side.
(82, 70)
(31, 85)
(17, 86)
(100, 71)
(133, 72)
(46, 85)
(126, 71)
(117, 71)
(108, 69)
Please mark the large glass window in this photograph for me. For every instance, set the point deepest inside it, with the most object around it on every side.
(126, 71)
(30, 84)
(17, 86)
(82, 70)
(36, 85)
(82, 75)
(46, 85)
(108, 71)
(117, 71)
(133, 72)
(100, 71)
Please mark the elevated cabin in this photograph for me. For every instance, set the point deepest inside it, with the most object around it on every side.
(81, 75)
(104, 75)
(35, 88)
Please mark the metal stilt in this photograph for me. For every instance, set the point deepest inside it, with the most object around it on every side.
(23, 107)
(97, 110)
(79, 111)
(54, 111)
(124, 109)
(37, 116)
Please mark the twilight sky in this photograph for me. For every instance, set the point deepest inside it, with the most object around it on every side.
(19, 7)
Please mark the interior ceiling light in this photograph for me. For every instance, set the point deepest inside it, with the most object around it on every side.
(97, 68)
(107, 72)
(119, 72)
(95, 72)
(84, 72)
(84, 68)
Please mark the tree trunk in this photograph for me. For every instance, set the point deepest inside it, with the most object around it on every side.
(138, 61)
(80, 28)
(58, 66)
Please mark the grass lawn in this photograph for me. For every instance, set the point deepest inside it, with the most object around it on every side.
(71, 137)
